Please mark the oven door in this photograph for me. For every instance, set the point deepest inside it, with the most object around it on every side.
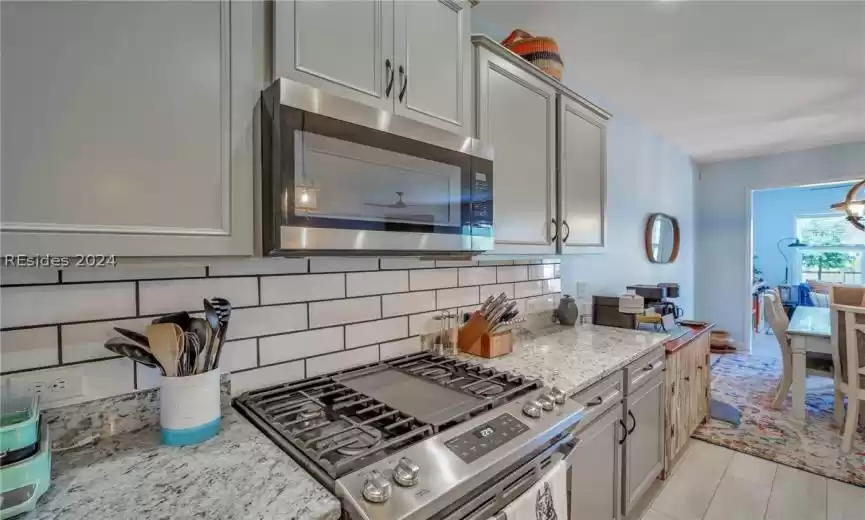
(349, 187)
(510, 484)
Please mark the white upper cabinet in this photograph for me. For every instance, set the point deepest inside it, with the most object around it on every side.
(408, 57)
(341, 46)
(582, 181)
(517, 116)
(127, 129)
(433, 48)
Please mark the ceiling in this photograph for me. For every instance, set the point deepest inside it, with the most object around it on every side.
(719, 79)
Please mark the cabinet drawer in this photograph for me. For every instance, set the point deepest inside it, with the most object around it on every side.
(644, 369)
(599, 398)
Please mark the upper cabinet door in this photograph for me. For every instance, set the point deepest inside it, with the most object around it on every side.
(340, 46)
(432, 49)
(517, 115)
(118, 133)
(582, 165)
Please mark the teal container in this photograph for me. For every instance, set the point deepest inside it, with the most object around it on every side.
(19, 423)
(22, 483)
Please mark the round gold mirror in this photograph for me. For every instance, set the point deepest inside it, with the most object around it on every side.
(662, 238)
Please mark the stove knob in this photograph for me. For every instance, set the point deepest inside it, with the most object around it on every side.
(406, 472)
(547, 402)
(532, 409)
(558, 395)
(376, 488)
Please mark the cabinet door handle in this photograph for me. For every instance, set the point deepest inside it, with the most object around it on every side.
(555, 231)
(687, 378)
(648, 367)
(567, 230)
(625, 430)
(634, 427)
(403, 79)
(595, 402)
(388, 72)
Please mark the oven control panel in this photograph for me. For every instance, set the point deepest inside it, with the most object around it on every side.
(483, 439)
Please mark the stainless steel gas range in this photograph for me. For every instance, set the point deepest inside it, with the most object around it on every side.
(419, 436)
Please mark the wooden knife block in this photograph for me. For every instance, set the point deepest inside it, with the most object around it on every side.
(492, 345)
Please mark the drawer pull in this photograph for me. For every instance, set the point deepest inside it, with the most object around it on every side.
(687, 378)
(648, 367)
(595, 402)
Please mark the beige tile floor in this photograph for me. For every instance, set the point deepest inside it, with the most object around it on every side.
(714, 483)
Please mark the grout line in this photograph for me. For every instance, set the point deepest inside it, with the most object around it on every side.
(771, 490)
(720, 481)
(257, 352)
(59, 345)
(137, 299)
(258, 289)
(207, 271)
(135, 375)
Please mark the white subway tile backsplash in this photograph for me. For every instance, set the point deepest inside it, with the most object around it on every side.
(238, 355)
(165, 296)
(340, 360)
(28, 348)
(43, 304)
(495, 262)
(338, 265)
(375, 331)
(285, 347)
(425, 279)
(552, 260)
(97, 380)
(302, 288)
(387, 307)
(539, 272)
(424, 323)
(130, 272)
(265, 376)
(526, 289)
(406, 263)
(521, 307)
(27, 275)
(455, 263)
(447, 298)
(556, 270)
(261, 321)
(477, 275)
(515, 273)
(381, 282)
(397, 304)
(399, 348)
(85, 341)
(495, 290)
(258, 266)
(322, 314)
(553, 286)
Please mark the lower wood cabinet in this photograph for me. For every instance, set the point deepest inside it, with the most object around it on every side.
(687, 388)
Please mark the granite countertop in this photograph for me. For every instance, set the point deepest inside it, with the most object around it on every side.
(572, 358)
(239, 474)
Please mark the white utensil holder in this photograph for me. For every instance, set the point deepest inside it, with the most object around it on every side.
(189, 408)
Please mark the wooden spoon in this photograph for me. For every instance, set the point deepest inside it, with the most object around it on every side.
(165, 345)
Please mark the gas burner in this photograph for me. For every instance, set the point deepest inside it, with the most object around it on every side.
(353, 441)
(434, 373)
(487, 389)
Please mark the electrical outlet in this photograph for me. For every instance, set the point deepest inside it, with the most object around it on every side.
(582, 290)
(51, 386)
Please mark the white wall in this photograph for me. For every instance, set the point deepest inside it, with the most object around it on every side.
(645, 174)
(723, 194)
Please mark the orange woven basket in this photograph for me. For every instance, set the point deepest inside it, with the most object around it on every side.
(540, 51)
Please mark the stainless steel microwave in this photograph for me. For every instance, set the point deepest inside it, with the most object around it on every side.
(341, 177)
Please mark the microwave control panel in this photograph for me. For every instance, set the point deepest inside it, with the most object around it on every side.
(481, 205)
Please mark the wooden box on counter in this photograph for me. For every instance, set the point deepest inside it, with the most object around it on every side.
(688, 393)
(491, 345)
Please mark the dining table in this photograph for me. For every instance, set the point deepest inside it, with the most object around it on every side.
(810, 331)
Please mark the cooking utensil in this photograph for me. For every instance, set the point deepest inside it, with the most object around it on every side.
(137, 337)
(222, 308)
(182, 319)
(165, 344)
(223, 311)
(132, 351)
(211, 316)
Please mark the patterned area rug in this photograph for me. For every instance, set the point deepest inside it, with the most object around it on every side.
(748, 383)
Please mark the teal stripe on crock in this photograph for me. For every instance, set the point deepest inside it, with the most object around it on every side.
(185, 436)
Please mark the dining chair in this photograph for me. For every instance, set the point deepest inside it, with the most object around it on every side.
(815, 364)
(851, 296)
(851, 373)
(779, 324)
